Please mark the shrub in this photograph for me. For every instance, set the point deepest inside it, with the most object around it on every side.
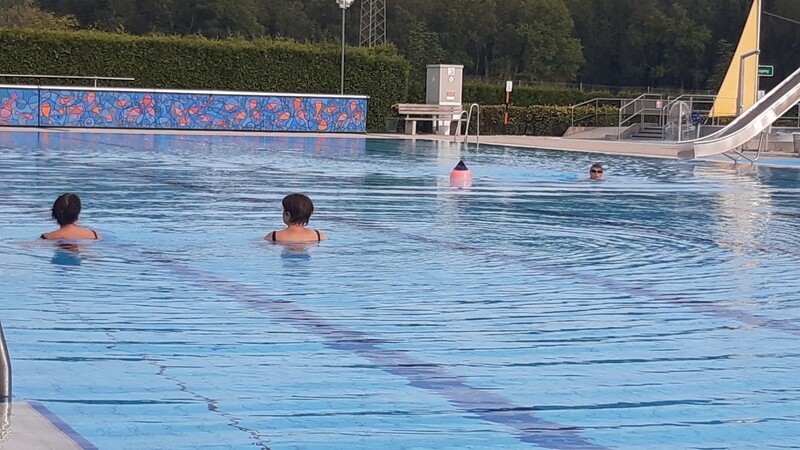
(171, 62)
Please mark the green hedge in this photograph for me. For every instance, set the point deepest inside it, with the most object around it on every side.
(541, 120)
(494, 94)
(170, 62)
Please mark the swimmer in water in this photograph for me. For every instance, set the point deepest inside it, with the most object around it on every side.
(66, 210)
(297, 209)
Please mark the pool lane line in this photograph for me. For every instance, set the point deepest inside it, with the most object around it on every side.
(211, 404)
(749, 319)
(699, 239)
(489, 407)
(478, 402)
(62, 426)
(706, 308)
(629, 290)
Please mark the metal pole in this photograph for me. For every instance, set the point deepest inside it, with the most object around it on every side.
(740, 99)
(758, 47)
(5, 369)
(341, 91)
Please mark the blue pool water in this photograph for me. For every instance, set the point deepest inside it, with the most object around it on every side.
(658, 309)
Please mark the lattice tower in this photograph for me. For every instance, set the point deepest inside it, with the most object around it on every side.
(373, 23)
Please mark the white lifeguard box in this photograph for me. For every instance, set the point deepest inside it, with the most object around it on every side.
(445, 85)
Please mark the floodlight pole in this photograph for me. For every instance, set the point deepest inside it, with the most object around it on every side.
(740, 99)
(343, 4)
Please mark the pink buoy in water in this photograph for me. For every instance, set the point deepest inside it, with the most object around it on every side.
(460, 176)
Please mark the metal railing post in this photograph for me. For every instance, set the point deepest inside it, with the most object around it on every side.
(596, 112)
(740, 99)
(572, 114)
(5, 369)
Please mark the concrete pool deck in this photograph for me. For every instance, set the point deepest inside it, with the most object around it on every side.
(25, 426)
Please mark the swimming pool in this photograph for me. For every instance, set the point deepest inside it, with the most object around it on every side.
(658, 309)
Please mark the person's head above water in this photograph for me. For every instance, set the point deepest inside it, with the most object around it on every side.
(67, 209)
(297, 209)
(596, 172)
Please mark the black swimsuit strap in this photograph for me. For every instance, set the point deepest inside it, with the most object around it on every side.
(275, 236)
(95, 234)
(319, 237)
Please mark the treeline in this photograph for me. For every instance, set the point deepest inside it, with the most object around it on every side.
(683, 44)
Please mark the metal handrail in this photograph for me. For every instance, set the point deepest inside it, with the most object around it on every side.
(5, 369)
(477, 108)
(691, 97)
(596, 102)
(67, 77)
(462, 117)
(637, 111)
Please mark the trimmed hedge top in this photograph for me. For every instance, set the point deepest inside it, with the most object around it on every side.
(172, 62)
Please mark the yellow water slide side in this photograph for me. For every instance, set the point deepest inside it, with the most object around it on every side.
(725, 104)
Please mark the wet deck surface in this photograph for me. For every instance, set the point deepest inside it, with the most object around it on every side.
(23, 427)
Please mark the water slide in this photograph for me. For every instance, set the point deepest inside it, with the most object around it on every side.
(748, 125)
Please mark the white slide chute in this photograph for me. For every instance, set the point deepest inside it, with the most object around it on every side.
(748, 125)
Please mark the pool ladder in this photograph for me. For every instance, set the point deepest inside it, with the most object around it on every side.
(5, 369)
(738, 154)
(473, 107)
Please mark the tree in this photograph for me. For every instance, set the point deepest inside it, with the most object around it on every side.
(218, 18)
(723, 59)
(637, 43)
(537, 42)
(27, 14)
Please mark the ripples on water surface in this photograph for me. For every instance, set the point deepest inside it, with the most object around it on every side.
(658, 309)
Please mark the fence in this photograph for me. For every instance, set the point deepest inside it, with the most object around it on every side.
(94, 78)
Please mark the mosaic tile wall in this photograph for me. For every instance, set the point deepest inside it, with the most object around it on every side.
(120, 109)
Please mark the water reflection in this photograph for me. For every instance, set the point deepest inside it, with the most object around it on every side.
(295, 255)
(743, 206)
(68, 253)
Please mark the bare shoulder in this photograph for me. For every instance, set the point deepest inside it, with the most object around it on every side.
(322, 236)
(268, 237)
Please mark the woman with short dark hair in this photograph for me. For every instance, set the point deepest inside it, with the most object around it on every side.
(297, 210)
(66, 211)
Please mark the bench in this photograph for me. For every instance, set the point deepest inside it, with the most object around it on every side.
(414, 112)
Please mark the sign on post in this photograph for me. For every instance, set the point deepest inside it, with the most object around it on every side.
(766, 71)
